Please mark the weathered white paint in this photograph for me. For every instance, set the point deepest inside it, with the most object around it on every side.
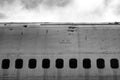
(54, 41)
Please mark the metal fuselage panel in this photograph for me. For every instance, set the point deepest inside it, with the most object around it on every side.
(64, 41)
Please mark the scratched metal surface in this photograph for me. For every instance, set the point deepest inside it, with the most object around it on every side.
(54, 41)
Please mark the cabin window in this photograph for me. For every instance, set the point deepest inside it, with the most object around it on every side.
(59, 63)
(114, 63)
(100, 63)
(18, 63)
(5, 63)
(86, 63)
(46, 63)
(73, 63)
(32, 63)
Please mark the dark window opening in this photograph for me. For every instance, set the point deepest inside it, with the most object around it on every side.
(5, 63)
(86, 63)
(18, 63)
(100, 63)
(114, 63)
(59, 63)
(46, 63)
(32, 63)
(73, 63)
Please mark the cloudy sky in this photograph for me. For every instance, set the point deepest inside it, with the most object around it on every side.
(59, 10)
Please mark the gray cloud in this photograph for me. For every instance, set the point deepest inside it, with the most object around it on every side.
(113, 5)
(2, 16)
(57, 10)
(107, 2)
(32, 4)
(58, 3)
(103, 8)
(117, 9)
(3, 2)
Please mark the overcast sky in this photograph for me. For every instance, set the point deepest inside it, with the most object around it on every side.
(59, 10)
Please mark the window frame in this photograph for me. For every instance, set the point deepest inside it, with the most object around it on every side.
(47, 63)
(73, 61)
(100, 63)
(115, 67)
(57, 63)
(21, 65)
(84, 64)
(4, 63)
(32, 67)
